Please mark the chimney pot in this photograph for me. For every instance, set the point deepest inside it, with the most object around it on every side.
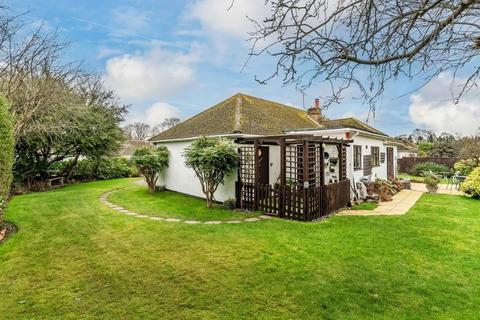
(315, 113)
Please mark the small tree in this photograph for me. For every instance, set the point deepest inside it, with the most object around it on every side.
(212, 159)
(150, 161)
(6, 152)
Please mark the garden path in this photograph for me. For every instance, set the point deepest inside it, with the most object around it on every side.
(400, 204)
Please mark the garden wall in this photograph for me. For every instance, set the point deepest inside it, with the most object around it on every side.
(406, 164)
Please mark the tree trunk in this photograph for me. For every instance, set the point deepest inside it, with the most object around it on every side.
(209, 201)
(151, 184)
(68, 172)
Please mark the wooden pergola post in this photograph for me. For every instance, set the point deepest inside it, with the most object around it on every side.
(256, 159)
(322, 165)
(305, 179)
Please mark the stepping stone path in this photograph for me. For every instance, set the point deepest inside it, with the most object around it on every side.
(104, 200)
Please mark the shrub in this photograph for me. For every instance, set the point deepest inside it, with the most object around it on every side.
(471, 185)
(7, 145)
(212, 159)
(431, 180)
(384, 188)
(115, 168)
(229, 204)
(150, 161)
(105, 169)
(421, 168)
(465, 166)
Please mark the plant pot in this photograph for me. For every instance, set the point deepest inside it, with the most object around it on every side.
(432, 189)
(159, 188)
(229, 205)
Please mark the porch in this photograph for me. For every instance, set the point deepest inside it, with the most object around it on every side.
(306, 179)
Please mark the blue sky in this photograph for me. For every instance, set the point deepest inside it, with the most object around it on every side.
(176, 58)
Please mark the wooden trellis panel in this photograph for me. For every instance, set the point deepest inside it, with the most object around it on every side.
(301, 193)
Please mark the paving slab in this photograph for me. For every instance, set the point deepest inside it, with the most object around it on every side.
(400, 204)
(192, 222)
(212, 222)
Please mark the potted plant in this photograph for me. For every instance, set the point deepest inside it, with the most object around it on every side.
(432, 181)
(229, 204)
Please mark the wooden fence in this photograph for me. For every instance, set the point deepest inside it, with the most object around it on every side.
(294, 202)
(405, 165)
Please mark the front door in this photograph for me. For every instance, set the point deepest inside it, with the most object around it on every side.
(264, 165)
(390, 167)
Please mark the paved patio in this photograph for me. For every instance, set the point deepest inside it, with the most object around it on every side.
(402, 201)
(400, 204)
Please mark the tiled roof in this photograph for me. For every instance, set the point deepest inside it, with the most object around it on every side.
(241, 114)
(349, 123)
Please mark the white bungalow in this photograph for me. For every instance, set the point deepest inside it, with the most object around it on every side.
(339, 150)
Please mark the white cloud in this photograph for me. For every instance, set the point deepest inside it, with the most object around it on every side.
(158, 73)
(220, 16)
(434, 109)
(158, 112)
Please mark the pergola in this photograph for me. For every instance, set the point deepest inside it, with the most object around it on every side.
(300, 192)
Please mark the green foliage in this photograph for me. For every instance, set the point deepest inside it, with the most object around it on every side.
(422, 168)
(212, 159)
(104, 169)
(442, 148)
(471, 185)
(424, 148)
(431, 180)
(465, 166)
(150, 161)
(90, 132)
(6, 151)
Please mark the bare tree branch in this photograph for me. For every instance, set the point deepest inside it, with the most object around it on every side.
(363, 44)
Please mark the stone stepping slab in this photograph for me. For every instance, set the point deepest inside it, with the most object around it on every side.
(104, 200)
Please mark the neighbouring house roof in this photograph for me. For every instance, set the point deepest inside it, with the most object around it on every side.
(128, 147)
(403, 145)
(241, 114)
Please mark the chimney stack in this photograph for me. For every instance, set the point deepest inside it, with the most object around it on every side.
(315, 112)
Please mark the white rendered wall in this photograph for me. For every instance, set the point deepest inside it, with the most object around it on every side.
(274, 169)
(177, 177)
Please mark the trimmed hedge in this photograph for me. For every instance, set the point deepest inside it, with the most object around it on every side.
(421, 168)
(111, 168)
(7, 145)
(471, 185)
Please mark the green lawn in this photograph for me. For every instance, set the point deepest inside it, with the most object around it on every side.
(365, 206)
(74, 259)
(172, 205)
